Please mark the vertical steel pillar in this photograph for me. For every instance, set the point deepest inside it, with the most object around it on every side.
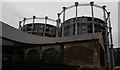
(111, 45)
(58, 24)
(64, 8)
(23, 23)
(93, 28)
(45, 25)
(106, 39)
(76, 20)
(32, 29)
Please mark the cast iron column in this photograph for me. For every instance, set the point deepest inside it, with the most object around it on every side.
(76, 20)
(64, 8)
(93, 29)
(45, 25)
(58, 24)
(106, 39)
(32, 29)
(23, 23)
(111, 45)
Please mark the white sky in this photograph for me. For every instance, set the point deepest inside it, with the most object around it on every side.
(12, 12)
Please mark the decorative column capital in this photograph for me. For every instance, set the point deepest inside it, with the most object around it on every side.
(46, 17)
(108, 13)
(24, 19)
(91, 3)
(64, 8)
(76, 4)
(34, 17)
(103, 6)
(58, 14)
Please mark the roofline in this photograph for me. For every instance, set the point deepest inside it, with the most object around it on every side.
(14, 34)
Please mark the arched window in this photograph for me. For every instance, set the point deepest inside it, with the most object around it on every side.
(51, 56)
(33, 56)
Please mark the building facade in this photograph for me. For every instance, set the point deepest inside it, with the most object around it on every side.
(83, 50)
(76, 43)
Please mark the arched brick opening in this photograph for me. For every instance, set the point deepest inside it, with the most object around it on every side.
(51, 56)
(33, 56)
(79, 55)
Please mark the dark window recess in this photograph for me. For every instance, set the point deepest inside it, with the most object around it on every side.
(102, 57)
(47, 30)
(95, 19)
(89, 19)
(33, 56)
(47, 34)
(99, 28)
(78, 28)
(51, 56)
(74, 29)
(66, 27)
(90, 28)
(96, 28)
(41, 34)
(29, 29)
(34, 29)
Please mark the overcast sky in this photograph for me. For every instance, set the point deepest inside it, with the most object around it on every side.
(12, 12)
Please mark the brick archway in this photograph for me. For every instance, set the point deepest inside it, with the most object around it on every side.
(51, 56)
(79, 55)
(33, 56)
